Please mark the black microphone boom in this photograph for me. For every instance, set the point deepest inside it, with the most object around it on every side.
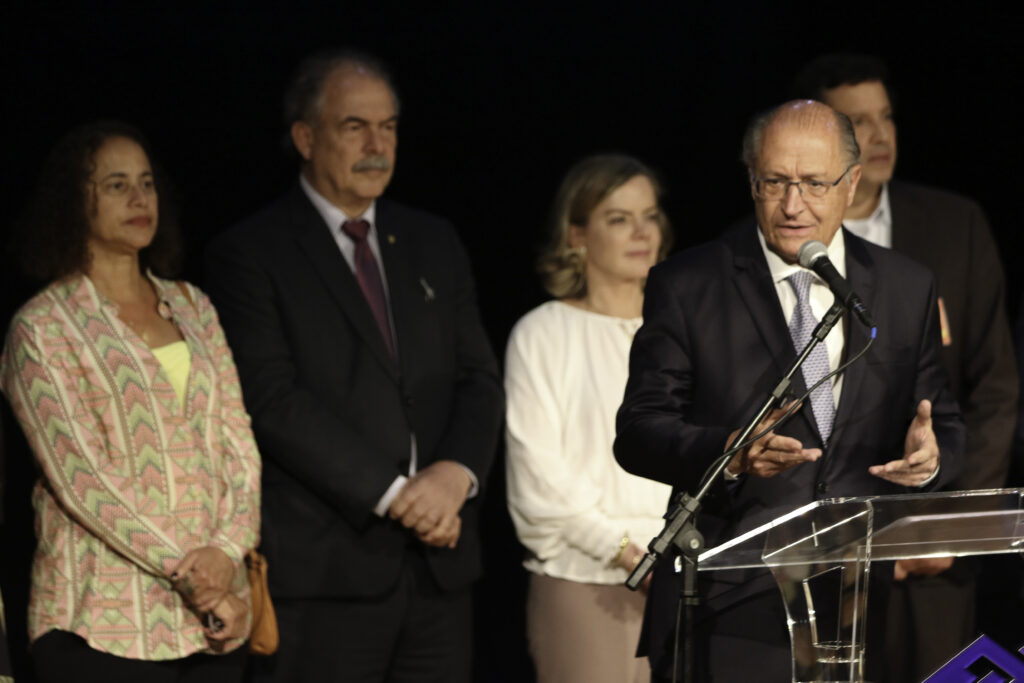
(814, 256)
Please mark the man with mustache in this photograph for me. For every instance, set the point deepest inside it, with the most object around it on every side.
(934, 603)
(374, 395)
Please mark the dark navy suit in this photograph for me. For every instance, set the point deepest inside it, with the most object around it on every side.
(333, 412)
(713, 343)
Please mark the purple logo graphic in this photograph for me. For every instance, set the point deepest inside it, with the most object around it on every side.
(983, 661)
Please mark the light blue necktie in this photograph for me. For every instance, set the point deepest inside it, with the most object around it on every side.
(815, 366)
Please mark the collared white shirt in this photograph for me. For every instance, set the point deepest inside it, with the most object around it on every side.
(877, 227)
(334, 218)
(821, 298)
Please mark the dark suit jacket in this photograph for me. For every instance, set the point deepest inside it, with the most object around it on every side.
(950, 235)
(332, 413)
(713, 344)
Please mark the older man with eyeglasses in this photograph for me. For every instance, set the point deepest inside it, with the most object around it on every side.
(721, 323)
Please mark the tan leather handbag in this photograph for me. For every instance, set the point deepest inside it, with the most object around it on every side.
(264, 637)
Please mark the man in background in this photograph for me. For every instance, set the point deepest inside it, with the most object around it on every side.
(934, 605)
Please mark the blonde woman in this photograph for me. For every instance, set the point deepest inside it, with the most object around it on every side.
(583, 520)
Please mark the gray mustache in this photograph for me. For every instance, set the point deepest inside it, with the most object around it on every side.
(377, 162)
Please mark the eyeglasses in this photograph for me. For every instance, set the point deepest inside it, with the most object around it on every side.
(120, 187)
(777, 188)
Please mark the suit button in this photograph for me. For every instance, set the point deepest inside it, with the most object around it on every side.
(822, 487)
(409, 400)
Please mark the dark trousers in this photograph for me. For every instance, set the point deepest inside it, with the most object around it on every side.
(415, 634)
(930, 619)
(748, 640)
(59, 657)
(745, 642)
(740, 659)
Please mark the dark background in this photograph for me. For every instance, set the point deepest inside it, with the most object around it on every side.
(497, 102)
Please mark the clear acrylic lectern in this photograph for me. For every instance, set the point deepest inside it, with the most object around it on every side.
(821, 555)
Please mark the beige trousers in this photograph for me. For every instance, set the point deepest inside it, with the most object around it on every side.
(584, 632)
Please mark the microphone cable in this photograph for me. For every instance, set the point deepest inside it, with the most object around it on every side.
(735, 448)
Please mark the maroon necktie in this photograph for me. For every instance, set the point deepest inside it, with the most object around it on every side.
(369, 278)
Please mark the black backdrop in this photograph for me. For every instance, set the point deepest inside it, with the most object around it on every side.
(497, 102)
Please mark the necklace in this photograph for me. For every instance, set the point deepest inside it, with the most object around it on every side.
(139, 329)
(138, 317)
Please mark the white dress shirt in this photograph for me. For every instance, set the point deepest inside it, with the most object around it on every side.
(820, 296)
(877, 227)
(334, 218)
(821, 299)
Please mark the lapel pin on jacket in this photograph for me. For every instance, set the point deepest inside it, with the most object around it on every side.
(428, 291)
(391, 239)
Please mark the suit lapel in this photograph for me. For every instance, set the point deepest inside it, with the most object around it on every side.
(315, 240)
(754, 282)
(858, 273)
(907, 222)
(400, 271)
(757, 290)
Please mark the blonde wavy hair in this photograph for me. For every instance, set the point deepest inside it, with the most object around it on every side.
(563, 269)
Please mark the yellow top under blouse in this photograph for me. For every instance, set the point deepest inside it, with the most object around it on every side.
(131, 484)
(176, 361)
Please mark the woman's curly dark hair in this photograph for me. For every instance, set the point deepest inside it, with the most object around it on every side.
(54, 230)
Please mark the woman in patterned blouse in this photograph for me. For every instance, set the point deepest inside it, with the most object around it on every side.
(128, 395)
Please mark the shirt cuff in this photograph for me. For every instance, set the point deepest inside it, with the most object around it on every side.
(381, 509)
(474, 486)
(930, 479)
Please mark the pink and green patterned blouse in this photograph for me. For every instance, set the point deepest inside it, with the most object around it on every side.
(131, 480)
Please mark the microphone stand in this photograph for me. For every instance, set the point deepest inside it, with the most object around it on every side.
(680, 533)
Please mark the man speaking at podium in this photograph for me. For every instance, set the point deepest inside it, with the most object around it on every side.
(722, 322)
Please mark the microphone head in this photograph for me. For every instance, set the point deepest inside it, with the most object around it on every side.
(810, 252)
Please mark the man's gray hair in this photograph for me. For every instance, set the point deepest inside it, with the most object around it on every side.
(754, 136)
(304, 97)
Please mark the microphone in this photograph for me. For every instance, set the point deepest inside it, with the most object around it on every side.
(814, 256)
